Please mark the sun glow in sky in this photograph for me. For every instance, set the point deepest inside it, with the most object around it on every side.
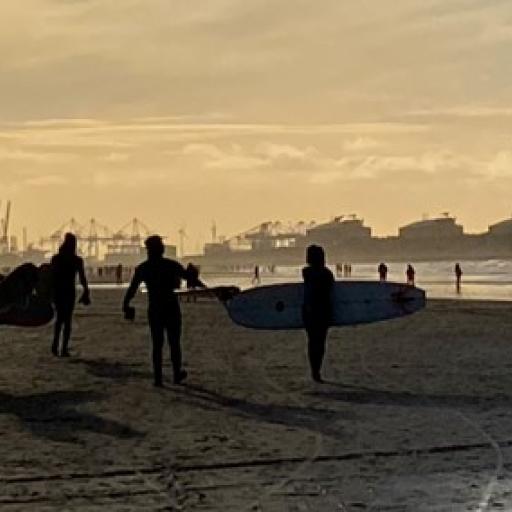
(181, 112)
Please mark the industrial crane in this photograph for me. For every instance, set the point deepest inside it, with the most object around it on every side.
(4, 229)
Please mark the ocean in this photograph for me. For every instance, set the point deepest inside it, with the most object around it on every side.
(481, 280)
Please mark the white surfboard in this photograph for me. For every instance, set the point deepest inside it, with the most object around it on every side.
(354, 302)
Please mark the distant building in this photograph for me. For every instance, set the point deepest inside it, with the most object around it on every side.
(130, 254)
(347, 239)
(339, 231)
(501, 229)
(216, 248)
(432, 229)
(271, 235)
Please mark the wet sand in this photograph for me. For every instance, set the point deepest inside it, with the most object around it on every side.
(416, 416)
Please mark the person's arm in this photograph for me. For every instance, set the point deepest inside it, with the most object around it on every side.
(85, 298)
(129, 311)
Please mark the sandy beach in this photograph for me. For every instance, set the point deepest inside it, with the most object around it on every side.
(416, 416)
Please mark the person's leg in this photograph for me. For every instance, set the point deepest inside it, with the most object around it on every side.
(320, 345)
(157, 337)
(66, 332)
(174, 339)
(316, 349)
(312, 333)
(56, 332)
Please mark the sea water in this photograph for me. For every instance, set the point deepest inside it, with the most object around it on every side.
(481, 280)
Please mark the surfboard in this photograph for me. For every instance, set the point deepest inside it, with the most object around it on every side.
(353, 302)
(34, 314)
(17, 286)
(221, 293)
(25, 296)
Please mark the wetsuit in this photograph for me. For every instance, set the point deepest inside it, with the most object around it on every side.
(383, 271)
(317, 313)
(65, 268)
(162, 276)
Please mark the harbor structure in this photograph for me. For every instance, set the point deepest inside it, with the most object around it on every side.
(346, 239)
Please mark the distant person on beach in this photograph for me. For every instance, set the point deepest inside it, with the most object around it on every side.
(317, 307)
(162, 276)
(410, 274)
(65, 266)
(192, 280)
(256, 276)
(383, 271)
(119, 274)
(458, 277)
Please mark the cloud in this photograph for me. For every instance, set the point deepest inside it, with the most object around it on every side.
(116, 157)
(464, 111)
(49, 180)
(232, 158)
(42, 157)
(499, 167)
(249, 61)
(209, 151)
(361, 144)
(379, 167)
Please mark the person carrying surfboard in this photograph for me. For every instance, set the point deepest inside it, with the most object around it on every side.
(161, 276)
(65, 265)
(317, 307)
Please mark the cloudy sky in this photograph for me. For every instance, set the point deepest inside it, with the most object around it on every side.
(184, 111)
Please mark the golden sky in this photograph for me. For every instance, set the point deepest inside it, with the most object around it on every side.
(184, 111)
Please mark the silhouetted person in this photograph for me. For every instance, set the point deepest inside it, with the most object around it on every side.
(65, 266)
(317, 307)
(256, 276)
(119, 274)
(458, 277)
(192, 279)
(410, 274)
(162, 276)
(383, 271)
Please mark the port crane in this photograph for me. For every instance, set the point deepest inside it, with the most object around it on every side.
(4, 229)
(94, 237)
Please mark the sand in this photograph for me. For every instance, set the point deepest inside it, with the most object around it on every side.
(416, 416)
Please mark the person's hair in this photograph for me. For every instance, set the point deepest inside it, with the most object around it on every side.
(315, 256)
(154, 246)
(68, 246)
